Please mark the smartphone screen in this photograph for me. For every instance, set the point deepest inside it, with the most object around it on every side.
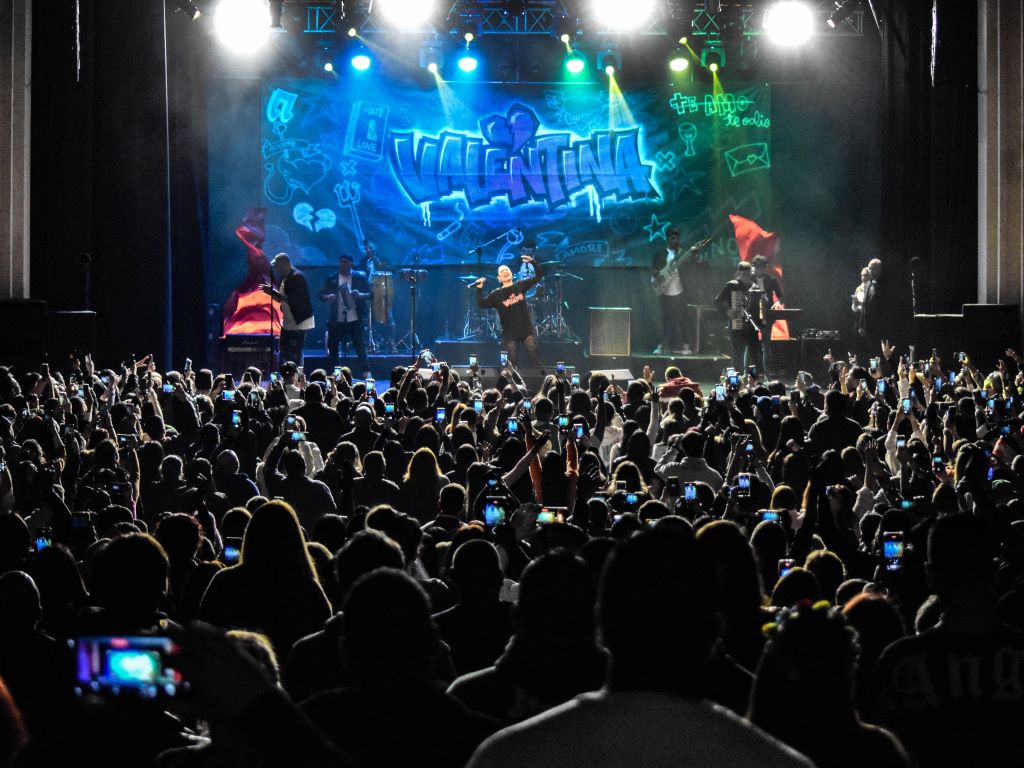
(770, 514)
(689, 491)
(786, 564)
(389, 407)
(579, 431)
(494, 511)
(720, 391)
(549, 515)
(527, 404)
(478, 405)
(128, 666)
(472, 360)
(892, 550)
(574, 379)
(743, 485)
(439, 415)
(503, 357)
(560, 367)
(906, 405)
(512, 426)
(236, 419)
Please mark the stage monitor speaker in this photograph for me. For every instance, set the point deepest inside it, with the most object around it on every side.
(988, 331)
(23, 333)
(532, 375)
(238, 352)
(614, 374)
(69, 333)
(782, 356)
(610, 331)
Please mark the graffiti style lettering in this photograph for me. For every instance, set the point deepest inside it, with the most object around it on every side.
(683, 105)
(725, 104)
(511, 160)
(756, 121)
(281, 105)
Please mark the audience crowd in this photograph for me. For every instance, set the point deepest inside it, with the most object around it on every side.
(446, 571)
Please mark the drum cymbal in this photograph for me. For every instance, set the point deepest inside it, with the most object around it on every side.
(468, 278)
(560, 275)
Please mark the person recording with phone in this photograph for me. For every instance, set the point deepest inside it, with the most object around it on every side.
(509, 299)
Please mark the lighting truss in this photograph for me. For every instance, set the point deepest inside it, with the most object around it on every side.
(541, 17)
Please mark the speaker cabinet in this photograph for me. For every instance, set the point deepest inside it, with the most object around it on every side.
(238, 352)
(609, 331)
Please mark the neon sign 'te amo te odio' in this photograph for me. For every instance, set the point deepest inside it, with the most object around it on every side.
(511, 159)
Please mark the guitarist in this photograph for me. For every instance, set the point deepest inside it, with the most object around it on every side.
(671, 270)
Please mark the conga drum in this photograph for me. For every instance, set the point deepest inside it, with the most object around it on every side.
(383, 295)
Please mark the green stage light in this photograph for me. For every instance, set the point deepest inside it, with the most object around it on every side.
(575, 63)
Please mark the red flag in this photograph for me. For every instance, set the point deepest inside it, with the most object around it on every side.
(751, 241)
(248, 309)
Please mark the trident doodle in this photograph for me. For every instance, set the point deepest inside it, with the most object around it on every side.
(688, 133)
(348, 195)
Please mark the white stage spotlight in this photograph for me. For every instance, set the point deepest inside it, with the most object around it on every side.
(618, 15)
(406, 14)
(243, 25)
(789, 23)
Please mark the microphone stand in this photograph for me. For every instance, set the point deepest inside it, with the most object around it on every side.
(275, 351)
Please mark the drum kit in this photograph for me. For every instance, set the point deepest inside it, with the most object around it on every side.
(547, 298)
(549, 304)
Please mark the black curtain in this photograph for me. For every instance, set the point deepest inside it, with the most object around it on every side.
(118, 172)
(929, 149)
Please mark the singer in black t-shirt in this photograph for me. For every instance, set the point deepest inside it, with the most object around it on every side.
(513, 311)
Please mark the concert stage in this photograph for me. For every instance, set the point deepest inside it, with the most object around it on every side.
(456, 353)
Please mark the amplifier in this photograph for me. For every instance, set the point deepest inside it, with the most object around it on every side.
(610, 331)
(238, 352)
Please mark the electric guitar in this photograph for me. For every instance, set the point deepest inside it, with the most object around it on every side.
(660, 279)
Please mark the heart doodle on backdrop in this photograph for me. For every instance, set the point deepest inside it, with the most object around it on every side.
(512, 130)
(305, 168)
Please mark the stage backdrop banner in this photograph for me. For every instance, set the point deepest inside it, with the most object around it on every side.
(595, 177)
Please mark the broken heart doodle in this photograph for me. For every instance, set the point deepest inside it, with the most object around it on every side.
(304, 215)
